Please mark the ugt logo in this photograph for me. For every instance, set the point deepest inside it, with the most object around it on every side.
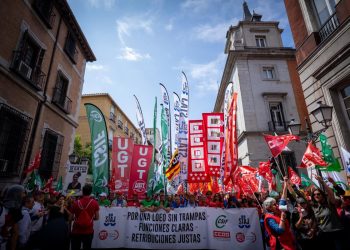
(221, 221)
(243, 222)
(110, 220)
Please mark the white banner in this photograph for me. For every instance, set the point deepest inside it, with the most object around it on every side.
(181, 228)
(75, 178)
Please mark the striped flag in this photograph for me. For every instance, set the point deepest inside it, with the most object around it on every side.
(174, 166)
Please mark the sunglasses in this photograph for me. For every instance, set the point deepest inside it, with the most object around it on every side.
(318, 194)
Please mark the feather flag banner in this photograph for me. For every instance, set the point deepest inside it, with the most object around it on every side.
(166, 106)
(177, 105)
(140, 121)
(183, 130)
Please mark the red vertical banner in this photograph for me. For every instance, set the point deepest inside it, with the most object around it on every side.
(197, 170)
(121, 163)
(213, 127)
(141, 161)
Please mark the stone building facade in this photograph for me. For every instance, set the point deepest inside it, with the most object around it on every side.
(321, 33)
(43, 54)
(269, 94)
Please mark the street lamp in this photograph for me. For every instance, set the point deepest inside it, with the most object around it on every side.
(73, 158)
(294, 128)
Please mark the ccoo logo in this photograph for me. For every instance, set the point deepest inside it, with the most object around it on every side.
(96, 116)
(221, 221)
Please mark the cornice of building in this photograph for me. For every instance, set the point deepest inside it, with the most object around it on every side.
(67, 15)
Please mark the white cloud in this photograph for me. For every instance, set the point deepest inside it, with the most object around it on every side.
(126, 25)
(106, 79)
(95, 67)
(107, 4)
(209, 33)
(195, 5)
(129, 54)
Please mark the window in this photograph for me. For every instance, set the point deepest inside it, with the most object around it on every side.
(44, 10)
(278, 123)
(111, 114)
(213, 147)
(50, 154)
(345, 94)
(60, 93)
(323, 9)
(14, 131)
(70, 47)
(27, 61)
(120, 122)
(269, 73)
(260, 41)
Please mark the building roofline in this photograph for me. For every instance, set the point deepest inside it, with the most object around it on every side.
(67, 14)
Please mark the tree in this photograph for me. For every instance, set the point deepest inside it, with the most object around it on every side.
(81, 151)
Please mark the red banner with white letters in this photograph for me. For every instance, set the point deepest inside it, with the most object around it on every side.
(121, 163)
(141, 161)
(197, 170)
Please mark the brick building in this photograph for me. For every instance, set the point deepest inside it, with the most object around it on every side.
(118, 123)
(269, 94)
(43, 54)
(321, 33)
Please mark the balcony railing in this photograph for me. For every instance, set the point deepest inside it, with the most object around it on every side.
(328, 27)
(120, 124)
(45, 12)
(278, 126)
(112, 116)
(32, 75)
(61, 100)
(126, 130)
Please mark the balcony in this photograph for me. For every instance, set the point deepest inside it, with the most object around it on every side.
(120, 124)
(327, 29)
(126, 130)
(33, 75)
(278, 126)
(61, 100)
(112, 116)
(45, 12)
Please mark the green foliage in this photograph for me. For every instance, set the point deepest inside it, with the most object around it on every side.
(83, 151)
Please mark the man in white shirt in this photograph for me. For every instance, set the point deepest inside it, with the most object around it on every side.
(25, 224)
(37, 215)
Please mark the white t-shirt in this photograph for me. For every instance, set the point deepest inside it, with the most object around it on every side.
(37, 222)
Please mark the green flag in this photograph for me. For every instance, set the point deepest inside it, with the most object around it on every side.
(305, 180)
(99, 148)
(31, 183)
(151, 172)
(165, 138)
(59, 186)
(328, 156)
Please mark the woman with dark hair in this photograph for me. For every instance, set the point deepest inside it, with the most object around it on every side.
(75, 184)
(331, 234)
(305, 224)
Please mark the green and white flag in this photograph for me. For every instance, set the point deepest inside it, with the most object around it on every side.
(99, 148)
(328, 156)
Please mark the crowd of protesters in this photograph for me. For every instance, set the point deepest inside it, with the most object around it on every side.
(316, 218)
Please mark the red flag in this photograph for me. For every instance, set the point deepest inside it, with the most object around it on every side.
(312, 156)
(294, 178)
(279, 142)
(112, 183)
(265, 171)
(48, 186)
(35, 164)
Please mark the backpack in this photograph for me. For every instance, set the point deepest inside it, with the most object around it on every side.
(83, 220)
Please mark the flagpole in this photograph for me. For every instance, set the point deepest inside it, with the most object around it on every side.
(253, 194)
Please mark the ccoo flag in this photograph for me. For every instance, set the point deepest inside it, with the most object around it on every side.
(99, 148)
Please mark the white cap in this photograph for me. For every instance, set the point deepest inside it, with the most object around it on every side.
(103, 194)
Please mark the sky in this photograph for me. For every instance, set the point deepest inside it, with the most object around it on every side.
(141, 43)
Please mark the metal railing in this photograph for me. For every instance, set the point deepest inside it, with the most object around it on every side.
(278, 126)
(61, 100)
(34, 75)
(328, 27)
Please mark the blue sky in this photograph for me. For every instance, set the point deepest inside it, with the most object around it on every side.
(141, 43)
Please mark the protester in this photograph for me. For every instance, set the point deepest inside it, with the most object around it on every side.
(25, 224)
(147, 204)
(11, 214)
(103, 201)
(216, 201)
(119, 201)
(192, 201)
(134, 202)
(177, 202)
(84, 210)
(203, 201)
(305, 225)
(331, 233)
(276, 223)
(162, 203)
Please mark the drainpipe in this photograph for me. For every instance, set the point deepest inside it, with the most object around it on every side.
(41, 103)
